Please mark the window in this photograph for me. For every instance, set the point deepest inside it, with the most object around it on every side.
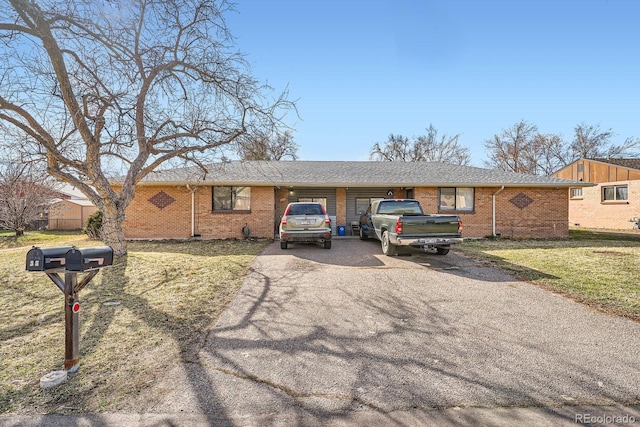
(576, 193)
(362, 203)
(615, 193)
(231, 198)
(321, 200)
(306, 209)
(456, 199)
(397, 207)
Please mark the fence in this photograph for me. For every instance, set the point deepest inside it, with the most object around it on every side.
(65, 224)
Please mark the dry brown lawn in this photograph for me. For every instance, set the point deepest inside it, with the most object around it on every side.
(137, 318)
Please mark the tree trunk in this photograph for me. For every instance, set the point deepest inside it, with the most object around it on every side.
(112, 233)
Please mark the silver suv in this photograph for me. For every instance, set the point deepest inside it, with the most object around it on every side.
(305, 222)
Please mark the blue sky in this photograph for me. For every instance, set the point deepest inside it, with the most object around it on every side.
(361, 70)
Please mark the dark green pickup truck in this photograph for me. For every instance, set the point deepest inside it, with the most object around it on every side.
(401, 222)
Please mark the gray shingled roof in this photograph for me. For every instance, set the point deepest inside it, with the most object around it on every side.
(627, 163)
(350, 174)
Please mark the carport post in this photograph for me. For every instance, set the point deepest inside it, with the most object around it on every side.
(71, 335)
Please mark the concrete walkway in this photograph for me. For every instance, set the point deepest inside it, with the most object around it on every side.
(348, 336)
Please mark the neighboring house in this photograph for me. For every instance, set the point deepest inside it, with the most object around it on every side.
(187, 202)
(612, 202)
(71, 210)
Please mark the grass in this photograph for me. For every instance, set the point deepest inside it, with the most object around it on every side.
(597, 269)
(8, 239)
(153, 307)
(137, 319)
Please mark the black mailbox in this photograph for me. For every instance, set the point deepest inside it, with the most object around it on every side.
(43, 259)
(85, 259)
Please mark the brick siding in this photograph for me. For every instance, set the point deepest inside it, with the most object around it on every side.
(225, 225)
(589, 211)
(146, 220)
(545, 216)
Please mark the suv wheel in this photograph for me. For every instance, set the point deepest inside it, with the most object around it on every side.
(283, 245)
(327, 244)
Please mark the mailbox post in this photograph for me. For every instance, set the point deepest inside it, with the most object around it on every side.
(70, 261)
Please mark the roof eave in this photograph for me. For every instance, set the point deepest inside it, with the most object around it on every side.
(570, 184)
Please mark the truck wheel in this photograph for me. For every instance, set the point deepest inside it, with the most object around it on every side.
(388, 248)
(363, 235)
(442, 251)
(327, 244)
(283, 245)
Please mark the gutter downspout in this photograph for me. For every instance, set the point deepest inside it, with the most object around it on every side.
(193, 210)
(493, 210)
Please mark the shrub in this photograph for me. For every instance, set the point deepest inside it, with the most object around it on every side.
(93, 225)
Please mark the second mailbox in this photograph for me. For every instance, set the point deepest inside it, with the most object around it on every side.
(84, 259)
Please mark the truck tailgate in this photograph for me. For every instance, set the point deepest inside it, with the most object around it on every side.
(432, 225)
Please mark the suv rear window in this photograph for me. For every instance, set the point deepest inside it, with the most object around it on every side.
(306, 209)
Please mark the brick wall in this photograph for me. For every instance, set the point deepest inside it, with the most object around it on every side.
(545, 215)
(145, 219)
(229, 225)
(591, 212)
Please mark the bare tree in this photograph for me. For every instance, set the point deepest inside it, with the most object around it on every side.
(590, 142)
(514, 149)
(424, 148)
(24, 195)
(131, 84)
(444, 149)
(280, 146)
(397, 148)
(523, 149)
(549, 154)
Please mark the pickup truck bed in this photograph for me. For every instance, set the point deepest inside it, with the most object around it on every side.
(401, 222)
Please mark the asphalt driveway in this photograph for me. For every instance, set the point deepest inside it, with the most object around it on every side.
(348, 335)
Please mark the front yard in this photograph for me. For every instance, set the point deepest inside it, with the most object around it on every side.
(597, 269)
(150, 309)
(137, 318)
